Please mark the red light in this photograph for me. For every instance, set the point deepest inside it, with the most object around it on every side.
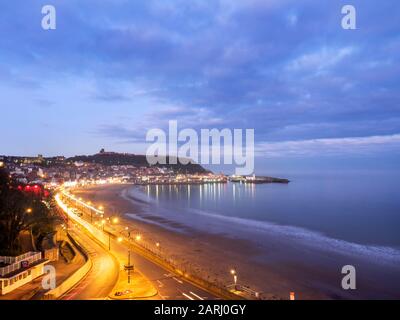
(36, 187)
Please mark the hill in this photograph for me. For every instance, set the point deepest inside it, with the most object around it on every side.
(115, 159)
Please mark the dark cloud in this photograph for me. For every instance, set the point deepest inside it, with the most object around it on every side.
(285, 68)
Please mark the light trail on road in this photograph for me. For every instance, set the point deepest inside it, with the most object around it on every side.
(171, 288)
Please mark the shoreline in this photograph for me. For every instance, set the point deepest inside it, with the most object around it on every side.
(274, 266)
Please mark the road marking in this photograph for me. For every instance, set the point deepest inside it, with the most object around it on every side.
(187, 296)
(193, 294)
(71, 296)
(177, 280)
(163, 297)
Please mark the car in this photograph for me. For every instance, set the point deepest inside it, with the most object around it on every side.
(122, 293)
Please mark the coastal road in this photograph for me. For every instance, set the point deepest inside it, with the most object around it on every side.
(169, 286)
(102, 277)
(100, 281)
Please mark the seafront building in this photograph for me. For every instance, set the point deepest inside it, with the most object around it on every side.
(20, 270)
(53, 172)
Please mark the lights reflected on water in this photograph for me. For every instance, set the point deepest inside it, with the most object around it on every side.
(201, 196)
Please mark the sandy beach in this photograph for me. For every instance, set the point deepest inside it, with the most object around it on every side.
(267, 262)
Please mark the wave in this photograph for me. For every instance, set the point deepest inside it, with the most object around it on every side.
(136, 196)
(312, 238)
(159, 224)
(240, 227)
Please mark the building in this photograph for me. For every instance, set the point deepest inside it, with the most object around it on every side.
(18, 271)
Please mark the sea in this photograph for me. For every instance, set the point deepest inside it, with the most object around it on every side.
(352, 212)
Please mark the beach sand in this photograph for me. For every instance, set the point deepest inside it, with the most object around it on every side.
(273, 266)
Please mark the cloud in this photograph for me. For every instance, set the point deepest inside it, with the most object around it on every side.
(292, 19)
(120, 133)
(282, 67)
(328, 147)
(320, 60)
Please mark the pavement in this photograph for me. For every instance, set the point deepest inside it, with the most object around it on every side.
(168, 286)
(138, 288)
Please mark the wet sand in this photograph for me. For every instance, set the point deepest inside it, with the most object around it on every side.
(271, 265)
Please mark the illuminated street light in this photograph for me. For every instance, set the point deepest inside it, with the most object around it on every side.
(138, 237)
(29, 210)
(158, 247)
(233, 272)
(120, 239)
(115, 220)
(129, 232)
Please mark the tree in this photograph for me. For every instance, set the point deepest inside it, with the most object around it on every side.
(21, 212)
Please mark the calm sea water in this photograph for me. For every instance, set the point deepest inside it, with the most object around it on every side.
(359, 208)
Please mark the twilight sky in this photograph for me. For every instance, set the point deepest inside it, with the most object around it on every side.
(318, 96)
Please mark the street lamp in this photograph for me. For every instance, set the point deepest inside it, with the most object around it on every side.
(103, 222)
(129, 232)
(138, 237)
(129, 267)
(159, 248)
(233, 273)
(29, 210)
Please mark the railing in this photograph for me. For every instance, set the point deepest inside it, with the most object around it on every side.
(15, 262)
(10, 260)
